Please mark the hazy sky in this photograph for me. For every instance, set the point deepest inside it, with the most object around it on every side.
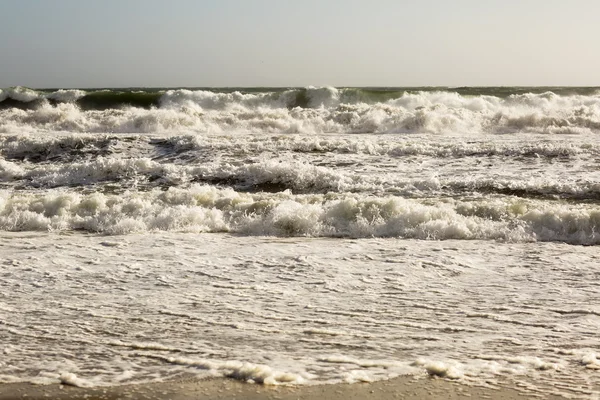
(111, 43)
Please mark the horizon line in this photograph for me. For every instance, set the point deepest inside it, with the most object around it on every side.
(298, 87)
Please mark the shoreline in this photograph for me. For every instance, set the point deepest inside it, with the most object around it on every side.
(406, 387)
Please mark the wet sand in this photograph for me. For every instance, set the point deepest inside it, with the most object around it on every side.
(221, 389)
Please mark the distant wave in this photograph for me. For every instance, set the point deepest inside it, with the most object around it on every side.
(308, 110)
(102, 99)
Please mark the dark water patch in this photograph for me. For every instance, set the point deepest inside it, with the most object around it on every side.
(67, 149)
(543, 193)
(300, 100)
(104, 100)
(241, 184)
(269, 187)
(22, 105)
(60, 150)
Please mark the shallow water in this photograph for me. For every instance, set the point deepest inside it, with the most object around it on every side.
(107, 310)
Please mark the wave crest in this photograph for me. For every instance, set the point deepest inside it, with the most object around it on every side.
(311, 110)
(208, 209)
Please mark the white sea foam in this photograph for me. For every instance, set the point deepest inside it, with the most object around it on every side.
(309, 311)
(10, 171)
(66, 95)
(19, 93)
(590, 360)
(69, 378)
(27, 95)
(255, 373)
(207, 209)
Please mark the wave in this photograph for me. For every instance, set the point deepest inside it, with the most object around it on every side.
(22, 97)
(291, 97)
(79, 147)
(26, 98)
(423, 113)
(203, 208)
(269, 176)
(372, 146)
(309, 110)
(266, 174)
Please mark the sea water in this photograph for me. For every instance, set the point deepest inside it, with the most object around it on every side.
(301, 236)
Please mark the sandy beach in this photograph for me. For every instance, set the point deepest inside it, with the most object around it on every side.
(399, 388)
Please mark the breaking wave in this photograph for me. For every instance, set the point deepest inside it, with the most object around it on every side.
(202, 208)
(307, 110)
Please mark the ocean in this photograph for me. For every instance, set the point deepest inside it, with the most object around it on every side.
(301, 235)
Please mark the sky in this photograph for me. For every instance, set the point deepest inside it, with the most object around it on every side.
(218, 43)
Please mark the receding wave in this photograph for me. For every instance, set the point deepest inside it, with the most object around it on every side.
(74, 147)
